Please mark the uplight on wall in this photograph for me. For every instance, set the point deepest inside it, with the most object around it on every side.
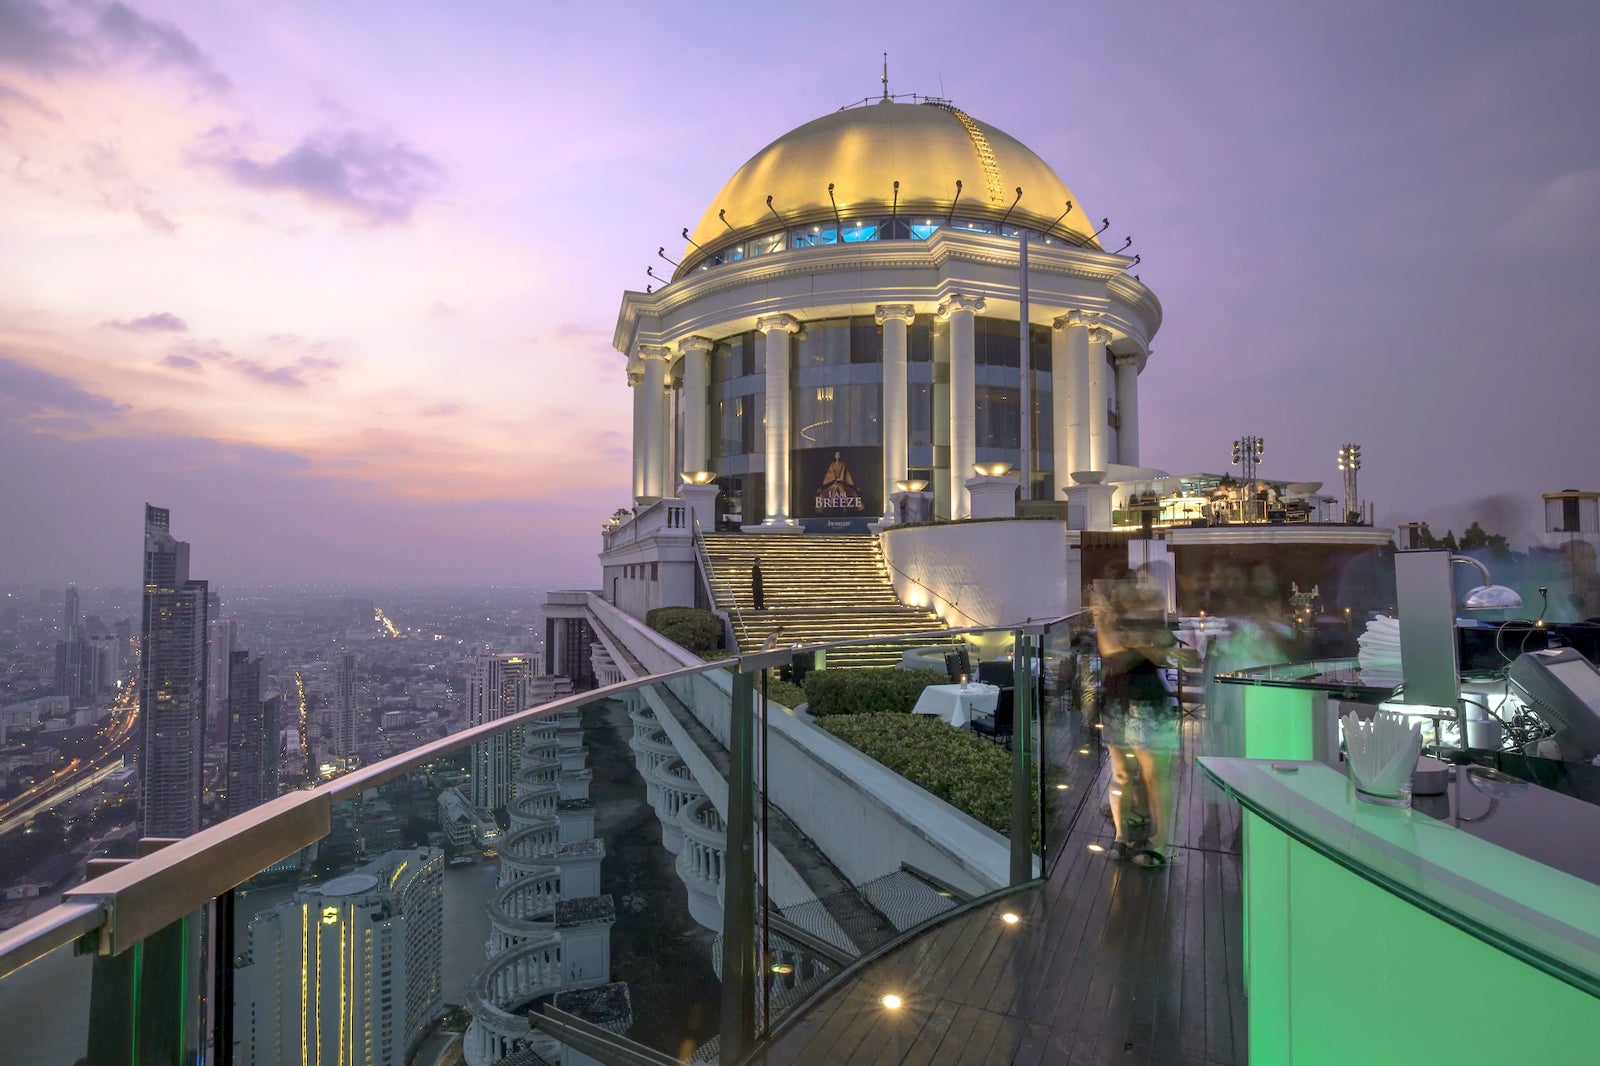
(991, 469)
(697, 477)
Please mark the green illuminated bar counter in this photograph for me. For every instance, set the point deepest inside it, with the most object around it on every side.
(1464, 929)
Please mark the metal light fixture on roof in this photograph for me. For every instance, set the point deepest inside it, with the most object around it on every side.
(991, 469)
(1487, 596)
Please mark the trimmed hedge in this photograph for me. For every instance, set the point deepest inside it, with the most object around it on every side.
(787, 693)
(886, 690)
(967, 772)
(690, 628)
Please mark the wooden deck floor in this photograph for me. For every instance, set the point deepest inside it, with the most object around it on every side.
(1110, 963)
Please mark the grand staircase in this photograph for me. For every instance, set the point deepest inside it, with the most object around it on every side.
(819, 587)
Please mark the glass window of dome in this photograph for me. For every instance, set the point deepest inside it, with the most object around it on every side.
(862, 230)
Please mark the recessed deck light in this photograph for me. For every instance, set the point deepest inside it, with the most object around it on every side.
(1010, 918)
(891, 1001)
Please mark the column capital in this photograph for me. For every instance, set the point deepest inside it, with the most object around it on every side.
(655, 351)
(960, 302)
(894, 312)
(635, 378)
(1121, 359)
(1099, 335)
(1076, 317)
(769, 323)
(696, 344)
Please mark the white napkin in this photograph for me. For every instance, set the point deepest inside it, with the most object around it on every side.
(1379, 650)
(1382, 752)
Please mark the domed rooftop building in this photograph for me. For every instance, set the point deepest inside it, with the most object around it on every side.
(844, 321)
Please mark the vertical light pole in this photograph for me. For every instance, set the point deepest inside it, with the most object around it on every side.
(1025, 366)
(1349, 463)
(1247, 456)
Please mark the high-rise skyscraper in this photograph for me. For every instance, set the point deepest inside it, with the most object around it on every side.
(352, 967)
(498, 686)
(252, 737)
(221, 636)
(344, 707)
(172, 683)
(72, 670)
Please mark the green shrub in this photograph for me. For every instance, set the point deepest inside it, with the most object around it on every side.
(690, 628)
(787, 693)
(967, 772)
(879, 691)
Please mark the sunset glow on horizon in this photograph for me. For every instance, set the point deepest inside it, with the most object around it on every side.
(337, 284)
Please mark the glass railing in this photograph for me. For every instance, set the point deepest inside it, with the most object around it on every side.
(665, 867)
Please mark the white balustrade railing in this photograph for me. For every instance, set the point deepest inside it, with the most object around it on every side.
(671, 517)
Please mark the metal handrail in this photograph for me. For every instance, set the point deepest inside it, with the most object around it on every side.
(44, 933)
(146, 895)
(711, 580)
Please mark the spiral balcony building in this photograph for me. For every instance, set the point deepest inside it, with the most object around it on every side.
(549, 925)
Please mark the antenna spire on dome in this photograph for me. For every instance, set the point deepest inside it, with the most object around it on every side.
(885, 77)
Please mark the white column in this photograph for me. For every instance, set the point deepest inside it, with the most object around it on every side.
(963, 398)
(894, 318)
(655, 358)
(696, 401)
(940, 335)
(777, 329)
(640, 433)
(1099, 423)
(1128, 409)
(1074, 326)
(1060, 405)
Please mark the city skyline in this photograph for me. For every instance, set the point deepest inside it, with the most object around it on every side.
(1366, 224)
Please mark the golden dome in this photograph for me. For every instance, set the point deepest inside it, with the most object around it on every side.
(864, 150)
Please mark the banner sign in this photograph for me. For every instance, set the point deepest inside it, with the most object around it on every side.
(838, 490)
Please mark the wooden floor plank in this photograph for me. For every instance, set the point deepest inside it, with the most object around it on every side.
(930, 1035)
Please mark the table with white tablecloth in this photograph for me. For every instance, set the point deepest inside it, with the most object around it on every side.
(958, 704)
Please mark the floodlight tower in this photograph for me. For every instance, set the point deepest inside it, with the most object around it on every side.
(1349, 463)
(1247, 456)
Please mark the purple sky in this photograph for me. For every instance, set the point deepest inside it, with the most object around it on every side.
(336, 282)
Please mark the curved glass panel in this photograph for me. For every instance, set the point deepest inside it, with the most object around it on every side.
(618, 856)
(45, 1009)
(859, 230)
(853, 231)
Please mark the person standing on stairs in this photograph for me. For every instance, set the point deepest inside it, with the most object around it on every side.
(757, 595)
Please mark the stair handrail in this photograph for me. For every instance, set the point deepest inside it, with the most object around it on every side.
(709, 578)
(952, 604)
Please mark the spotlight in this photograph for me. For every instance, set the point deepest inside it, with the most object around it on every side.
(1010, 918)
(891, 1001)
